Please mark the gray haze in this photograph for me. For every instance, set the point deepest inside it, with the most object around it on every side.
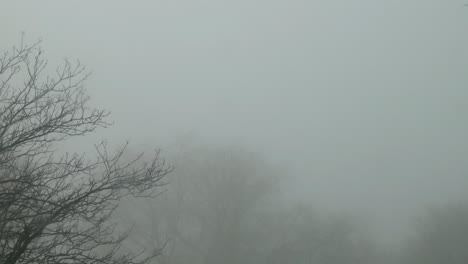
(364, 102)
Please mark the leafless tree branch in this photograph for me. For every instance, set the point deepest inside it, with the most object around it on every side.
(58, 209)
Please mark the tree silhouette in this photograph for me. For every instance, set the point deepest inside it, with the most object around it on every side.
(57, 208)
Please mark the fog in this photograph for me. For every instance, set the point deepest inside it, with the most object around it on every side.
(360, 106)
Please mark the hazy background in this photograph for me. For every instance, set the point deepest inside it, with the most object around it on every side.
(364, 102)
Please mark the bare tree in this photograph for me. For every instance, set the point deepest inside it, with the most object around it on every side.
(57, 208)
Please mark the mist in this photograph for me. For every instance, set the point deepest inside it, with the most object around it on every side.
(352, 109)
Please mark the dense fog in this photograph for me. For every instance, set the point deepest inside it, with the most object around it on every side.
(298, 131)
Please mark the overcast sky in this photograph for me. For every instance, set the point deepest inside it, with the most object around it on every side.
(365, 101)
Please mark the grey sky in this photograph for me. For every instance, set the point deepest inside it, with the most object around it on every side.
(365, 101)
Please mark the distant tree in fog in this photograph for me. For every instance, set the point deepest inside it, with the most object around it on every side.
(223, 206)
(441, 236)
(57, 208)
(208, 210)
(303, 235)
